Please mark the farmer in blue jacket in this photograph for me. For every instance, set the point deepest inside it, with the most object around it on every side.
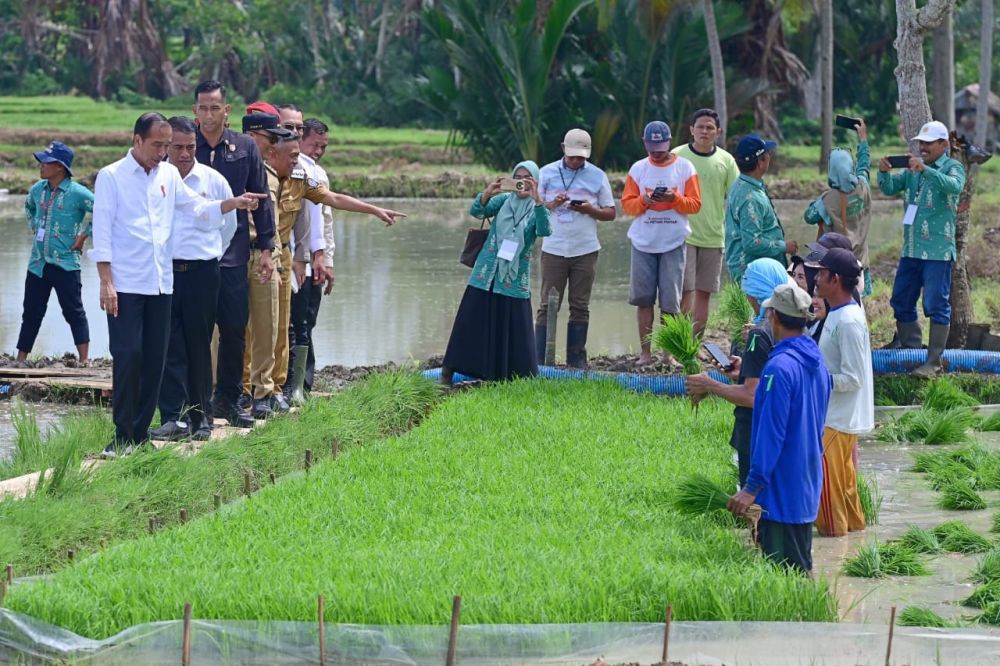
(786, 465)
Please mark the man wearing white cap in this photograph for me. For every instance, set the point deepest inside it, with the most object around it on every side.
(931, 186)
(579, 195)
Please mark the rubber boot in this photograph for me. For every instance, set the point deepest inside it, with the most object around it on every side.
(576, 344)
(540, 336)
(909, 334)
(298, 395)
(935, 348)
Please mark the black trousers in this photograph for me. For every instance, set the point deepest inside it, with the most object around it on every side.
(138, 343)
(786, 543)
(36, 301)
(304, 311)
(232, 314)
(187, 377)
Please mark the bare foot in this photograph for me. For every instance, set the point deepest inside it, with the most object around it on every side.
(645, 358)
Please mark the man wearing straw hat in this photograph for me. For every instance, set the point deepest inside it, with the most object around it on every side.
(786, 464)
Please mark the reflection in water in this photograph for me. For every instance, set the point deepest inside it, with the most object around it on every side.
(397, 289)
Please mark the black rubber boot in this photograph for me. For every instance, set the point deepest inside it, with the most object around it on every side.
(935, 348)
(540, 336)
(576, 344)
(910, 336)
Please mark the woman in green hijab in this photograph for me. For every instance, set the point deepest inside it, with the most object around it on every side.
(493, 334)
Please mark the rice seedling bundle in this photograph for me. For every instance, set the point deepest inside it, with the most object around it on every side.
(871, 498)
(983, 596)
(920, 541)
(995, 527)
(990, 614)
(917, 616)
(876, 560)
(698, 494)
(988, 568)
(504, 495)
(941, 427)
(735, 311)
(990, 423)
(957, 537)
(959, 495)
(676, 337)
(941, 394)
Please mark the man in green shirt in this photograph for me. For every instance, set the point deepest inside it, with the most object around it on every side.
(753, 230)
(717, 172)
(55, 208)
(931, 186)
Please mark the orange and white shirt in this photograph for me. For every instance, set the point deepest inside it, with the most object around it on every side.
(663, 226)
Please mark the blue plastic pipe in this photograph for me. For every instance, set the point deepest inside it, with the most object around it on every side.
(884, 362)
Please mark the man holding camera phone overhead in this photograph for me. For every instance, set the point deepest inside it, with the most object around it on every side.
(579, 196)
(931, 186)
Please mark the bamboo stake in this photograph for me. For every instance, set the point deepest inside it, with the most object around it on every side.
(551, 324)
(335, 448)
(152, 524)
(10, 574)
(456, 610)
(186, 644)
(892, 626)
(322, 632)
(247, 483)
(666, 633)
(71, 554)
(271, 476)
(309, 459)
(3, 591)
(104, 544)
(184, 516)
(218, 501)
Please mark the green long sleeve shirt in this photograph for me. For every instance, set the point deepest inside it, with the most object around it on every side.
(934, 191)
(753, 230)
(484, 272)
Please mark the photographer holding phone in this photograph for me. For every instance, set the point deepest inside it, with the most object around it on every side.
(931, 187)
(579, 196)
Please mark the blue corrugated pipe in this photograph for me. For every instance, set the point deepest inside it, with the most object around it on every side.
(884, 362)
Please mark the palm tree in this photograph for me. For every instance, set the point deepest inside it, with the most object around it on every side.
(718, 69)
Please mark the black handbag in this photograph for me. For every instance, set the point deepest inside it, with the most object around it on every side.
(474, 241)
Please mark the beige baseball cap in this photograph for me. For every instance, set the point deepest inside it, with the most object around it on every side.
(935, 130)
(789, 299)
(576, 143)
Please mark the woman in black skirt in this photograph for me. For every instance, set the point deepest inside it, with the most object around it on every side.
(493, 334)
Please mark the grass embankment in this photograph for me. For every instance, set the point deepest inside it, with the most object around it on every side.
(537, 501)
(75, 509)
(65, 445)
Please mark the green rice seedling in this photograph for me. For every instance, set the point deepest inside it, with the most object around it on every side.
(874, 560)
(871, 498)
(698, 494)
(941, 394)
(990, 423)
(896, 430)
(917, 616)
(676, 337)
(542, 518)
(78, 435)
(941, 427)
(947, 472)
(990, 614)
(995, 527)
(735, 311)
(957, 537)
(988, 568)
(959, 495)
(984, 595)
(925, 461)
(920, 541)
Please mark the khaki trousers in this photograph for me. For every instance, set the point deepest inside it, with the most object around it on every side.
(579, 273)
(284, 316)
(262, 331)
(839, 505)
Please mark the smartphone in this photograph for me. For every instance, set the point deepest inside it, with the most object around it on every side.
(511, 185)
(660, 191)
(576, 202)
(716, 352)
(899, 161)
(847, 122)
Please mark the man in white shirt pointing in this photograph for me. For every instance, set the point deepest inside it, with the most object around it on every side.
(135, 201)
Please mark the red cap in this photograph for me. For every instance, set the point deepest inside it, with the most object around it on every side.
(262, 107)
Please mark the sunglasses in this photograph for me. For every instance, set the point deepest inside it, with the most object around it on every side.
(294, 127)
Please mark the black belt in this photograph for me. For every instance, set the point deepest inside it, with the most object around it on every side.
(183, 265)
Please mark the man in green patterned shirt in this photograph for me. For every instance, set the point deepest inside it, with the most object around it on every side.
(931, 186)
(55, 207)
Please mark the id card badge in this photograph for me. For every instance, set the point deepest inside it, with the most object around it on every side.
(507, 250)
(910, 215)
(40, 235)
(564, 215)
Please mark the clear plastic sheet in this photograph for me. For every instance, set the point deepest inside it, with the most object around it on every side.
(26, 640)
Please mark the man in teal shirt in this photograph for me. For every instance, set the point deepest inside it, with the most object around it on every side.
(753, 230)
(931, 186)
(55, 207)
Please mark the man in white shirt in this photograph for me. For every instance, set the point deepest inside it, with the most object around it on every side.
(186, 390)
(135, 201)
(847, 354)
(579, 196)
(306, 302)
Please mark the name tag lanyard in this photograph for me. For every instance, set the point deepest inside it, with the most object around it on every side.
(46, 214)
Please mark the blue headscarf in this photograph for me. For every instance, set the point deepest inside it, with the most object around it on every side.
(509, 224)
(762, 276)
(841, 174)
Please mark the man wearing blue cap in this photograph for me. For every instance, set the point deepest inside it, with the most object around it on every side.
(753, 230)
(55, 208)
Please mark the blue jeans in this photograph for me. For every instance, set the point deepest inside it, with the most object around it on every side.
(931, 276)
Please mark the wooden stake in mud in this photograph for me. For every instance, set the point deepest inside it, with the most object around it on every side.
(10, 574)
(71, 554)
(184, 516)
(551, 324)
(309, 460)
(666, 633)
(321, 611)
(456, 611)
(104, 544)
(186, 644)
(335, 448)
(271, 476)
(3, 591)
(247, 484)
(217, 498)
(892, 626)
(152, 524)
